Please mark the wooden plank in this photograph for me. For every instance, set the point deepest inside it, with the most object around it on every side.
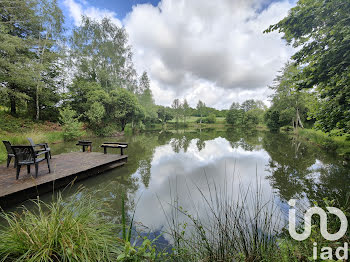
(64, 169)
(114, 146)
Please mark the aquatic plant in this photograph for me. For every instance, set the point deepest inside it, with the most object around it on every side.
(232, 229)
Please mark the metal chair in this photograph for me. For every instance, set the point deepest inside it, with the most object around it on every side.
(10, 153)
(26, 155)
(43, 146)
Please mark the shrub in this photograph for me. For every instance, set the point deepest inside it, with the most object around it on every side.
(72, 128)
(67, 231)
(211, 119)
(272, 119)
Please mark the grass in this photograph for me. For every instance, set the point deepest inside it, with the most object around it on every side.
(339, 144)
(21, 139)
(193, 119)
(62, 231)
(243, 229)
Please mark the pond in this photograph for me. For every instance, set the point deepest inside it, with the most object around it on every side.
(182, 163)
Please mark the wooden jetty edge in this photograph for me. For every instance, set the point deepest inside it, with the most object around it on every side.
(64, 169)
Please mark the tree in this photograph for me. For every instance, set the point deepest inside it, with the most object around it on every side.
(201, 110)
(100, 53)
(272, 119)
(249, 105)
(164, 114)
(320, 30)
(126, 107)
(210, 119)
(251, 118)
(50, 22)
(146, 100)
(288, 101)
(186, 110)
(28, 34)
(177, 109)
(235, 115)
(71, 127)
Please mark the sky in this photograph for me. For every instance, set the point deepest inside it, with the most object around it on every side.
(214, 51)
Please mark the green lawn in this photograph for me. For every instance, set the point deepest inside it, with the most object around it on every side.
(193, 119)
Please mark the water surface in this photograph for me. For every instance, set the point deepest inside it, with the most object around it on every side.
(181, 164)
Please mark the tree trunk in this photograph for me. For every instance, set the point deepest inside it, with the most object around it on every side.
(123, 125)
(13, 105)
(37, 106)
(200, 121)
(298, 119)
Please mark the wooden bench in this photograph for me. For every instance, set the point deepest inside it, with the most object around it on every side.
(120, 145)
(84, 144)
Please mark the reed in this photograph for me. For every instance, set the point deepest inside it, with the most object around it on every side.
(243, 229)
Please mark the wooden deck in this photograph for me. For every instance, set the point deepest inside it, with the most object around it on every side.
(64, 169)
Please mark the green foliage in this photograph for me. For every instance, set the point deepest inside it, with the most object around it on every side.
(210, 119)
(83, 93)
(201, 109)
(235, 115)
(272, 119)
(164, 114)
(290, 103)
(100, 52)
(62, 231)
(330, 142)
(249, 114)
(185, 110)
(126, 107)
(251, 118)
(146, 100)
(28, 61)
(320, 30)
(71, 127)
(177, 109)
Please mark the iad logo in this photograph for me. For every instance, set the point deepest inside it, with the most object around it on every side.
(323, 222)
(327, 251)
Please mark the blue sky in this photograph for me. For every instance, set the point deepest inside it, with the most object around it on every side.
(121, 7)
(210, 50)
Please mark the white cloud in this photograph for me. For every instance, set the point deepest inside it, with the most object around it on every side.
(209, 50)
(78, 9)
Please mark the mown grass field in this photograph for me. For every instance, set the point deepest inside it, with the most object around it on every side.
(193, 119)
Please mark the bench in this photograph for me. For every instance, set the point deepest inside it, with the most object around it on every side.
(84, 144)
(120, 145)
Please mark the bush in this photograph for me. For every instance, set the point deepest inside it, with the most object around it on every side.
(272, 119)
(68, 231)
(72, 128)
(211, 119)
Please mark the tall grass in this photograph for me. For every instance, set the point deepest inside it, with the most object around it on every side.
(339, 144)
(232, 229)
(62, 231)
